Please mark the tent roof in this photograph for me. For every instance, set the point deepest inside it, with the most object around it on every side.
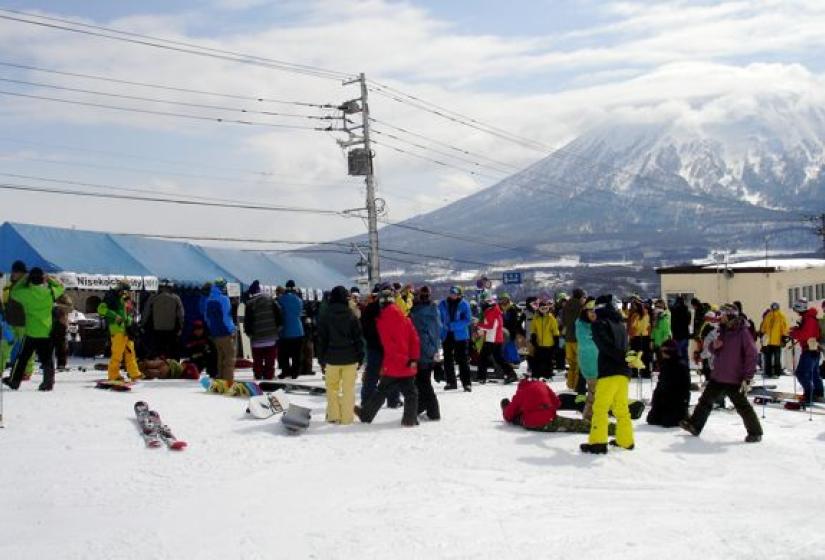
(183, 263)
(59, 249)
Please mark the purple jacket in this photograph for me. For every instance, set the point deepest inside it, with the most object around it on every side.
(735, 361)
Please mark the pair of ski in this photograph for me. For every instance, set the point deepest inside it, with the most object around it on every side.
(155, 433)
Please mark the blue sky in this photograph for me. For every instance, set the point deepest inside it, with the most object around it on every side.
(543, 69)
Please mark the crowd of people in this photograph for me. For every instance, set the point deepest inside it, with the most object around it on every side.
(403, 341)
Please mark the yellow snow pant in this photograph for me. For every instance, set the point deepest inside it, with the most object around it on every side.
(571, 354)
(123, 349)
(6, 349)
(611, 394)
(340, 382)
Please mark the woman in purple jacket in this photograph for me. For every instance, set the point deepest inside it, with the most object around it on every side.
(734, 364)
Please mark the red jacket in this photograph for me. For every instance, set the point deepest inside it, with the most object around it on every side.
(493, 325)
(807, 328)
(400, 341)
(535, 402)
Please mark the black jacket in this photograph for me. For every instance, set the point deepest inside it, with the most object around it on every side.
(610, 337)
(671, 396)
(368, 316)
(680, 322)
(339, 336)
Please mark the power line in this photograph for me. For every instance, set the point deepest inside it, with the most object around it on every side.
(169, 101)
(445, 144)
(172, 45)
(431, 160)
(180, 201)
(440, 152)
(165, 113)
(258, 99)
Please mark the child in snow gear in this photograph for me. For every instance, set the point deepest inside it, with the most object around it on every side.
(534, 407)
(36, 294)
(734, 363)
(425, 318)
(340, 353)
(117, 309)
(400, 365)
(610, 337)
(671, 397)
(544, 333)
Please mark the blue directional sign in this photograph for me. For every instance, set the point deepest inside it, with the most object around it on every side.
(511, 278)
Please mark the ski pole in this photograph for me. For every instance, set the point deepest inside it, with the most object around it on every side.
(765, 389)
(814, 368)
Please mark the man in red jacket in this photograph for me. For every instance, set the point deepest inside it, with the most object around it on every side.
(400, 365)
(534, 407)
(806, 334)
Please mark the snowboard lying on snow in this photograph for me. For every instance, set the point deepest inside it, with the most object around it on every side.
(118, 386)
(294, 418)
(155, 433)
(291, 387)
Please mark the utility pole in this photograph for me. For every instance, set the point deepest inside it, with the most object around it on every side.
(361, 163)
(819, 222)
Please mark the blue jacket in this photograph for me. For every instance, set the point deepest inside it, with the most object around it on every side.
(291, 308)
(217, 313)
(425, 317)
(459, 324)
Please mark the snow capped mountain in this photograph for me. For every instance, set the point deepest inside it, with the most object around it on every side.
(652, 193)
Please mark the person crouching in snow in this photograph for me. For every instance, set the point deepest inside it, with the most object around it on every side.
(400, 365)
(534, 407)
(672, 394)
(734, 363)
(610, 336)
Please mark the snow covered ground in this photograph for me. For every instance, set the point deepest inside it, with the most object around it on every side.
(76, 482)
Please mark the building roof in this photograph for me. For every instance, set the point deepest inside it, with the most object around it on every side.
(753, 266)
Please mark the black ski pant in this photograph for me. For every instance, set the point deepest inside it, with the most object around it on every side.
(44, 349)
(427, 400)
(543, 357)
(713, 391)
(289, 356)
(385, 386)
(455, 352)
(773, 360)
(61, 349)
(492, 351)
(165, 343)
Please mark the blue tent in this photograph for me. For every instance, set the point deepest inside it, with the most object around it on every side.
(183, 263)
(59, 249)
(56, 249)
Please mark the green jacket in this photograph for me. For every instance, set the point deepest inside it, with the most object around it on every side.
(37, 301)
(112, 315)
(661, 330)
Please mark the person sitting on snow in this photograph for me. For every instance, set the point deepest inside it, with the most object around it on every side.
(534, 408)
(671, 397)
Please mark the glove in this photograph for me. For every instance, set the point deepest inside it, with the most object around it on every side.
(505, 403)
(634, 360)
(745, 387)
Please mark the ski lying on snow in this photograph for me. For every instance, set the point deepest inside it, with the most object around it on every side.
(155, 433)
(290, 387)
(166, 434)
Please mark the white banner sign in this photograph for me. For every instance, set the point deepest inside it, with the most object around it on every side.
(233, 289)
(103, 282)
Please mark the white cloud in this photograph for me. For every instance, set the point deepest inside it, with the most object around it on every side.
(652, 61)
